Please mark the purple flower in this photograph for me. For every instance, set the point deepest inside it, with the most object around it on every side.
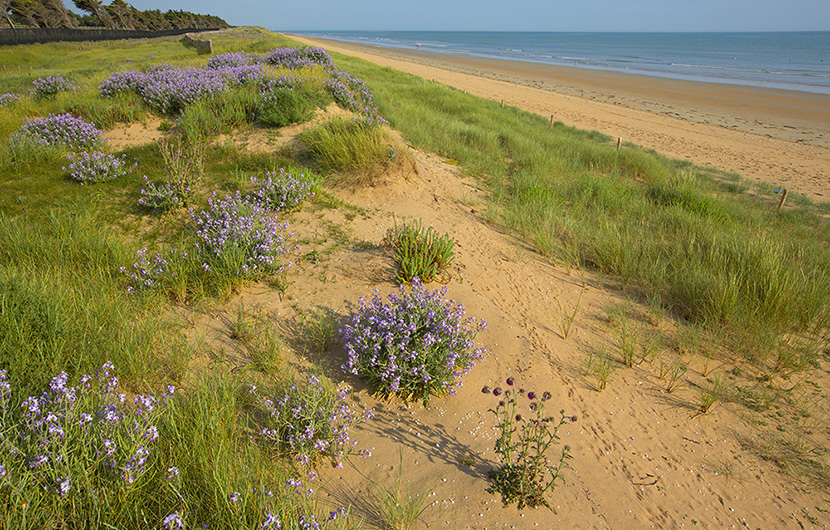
(60, 129)
(173, 521)
(5, 388)
(271, 522)
(240, 237)
(96, 166)
(65, 486)
(6, 100)
(172, 472)
(417, 345)
(50, 86)
(280, 191)
(162, 195)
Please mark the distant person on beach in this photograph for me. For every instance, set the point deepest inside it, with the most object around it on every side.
(418, 45)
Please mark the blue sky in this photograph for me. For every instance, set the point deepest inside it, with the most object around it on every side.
(514, 15)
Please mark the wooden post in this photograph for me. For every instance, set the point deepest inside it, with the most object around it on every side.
(502, 103)
(619, 143)
(551, 120)
(783, 198)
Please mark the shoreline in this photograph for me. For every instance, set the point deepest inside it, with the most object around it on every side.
(792, 115)
(781, 137)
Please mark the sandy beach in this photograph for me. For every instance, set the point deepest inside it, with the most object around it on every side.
(776, 136)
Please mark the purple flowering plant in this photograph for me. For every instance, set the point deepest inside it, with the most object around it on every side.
(240, 238)
(60, 130)
(526, 433)
(416, 346)
(148, 272)
(73, 438)
(162, 196)
(96, 166)
(233, 59)
(50, 86)
(9, 98)
(280, 191)
(310, 421)
(352, 93)
(171, 90)
(293, 58)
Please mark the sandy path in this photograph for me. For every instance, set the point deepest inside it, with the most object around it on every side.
(774, 136)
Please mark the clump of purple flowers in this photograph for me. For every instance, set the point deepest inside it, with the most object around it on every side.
(167, 90)
(269, 84)
(229, 60)
(293, 58)
(239, 238)
(61, 129)
(50, 86)
(311, 421)
(171, 90)
(163, 195)
(8, 99)
(73, 436)
(280, 191)
(127, 81)
(173, 521)
(148, 272)
(417, 346)
(88, 168)
(351, 93)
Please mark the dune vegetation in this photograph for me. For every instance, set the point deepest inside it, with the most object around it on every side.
(104, 421)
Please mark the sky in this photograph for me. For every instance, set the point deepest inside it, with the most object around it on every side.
(512, 15)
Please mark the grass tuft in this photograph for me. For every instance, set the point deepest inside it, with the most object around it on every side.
(420, 252)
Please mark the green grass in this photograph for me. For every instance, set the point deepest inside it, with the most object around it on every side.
(284, 107)
(64, 307)
(341, 145)
(695, 238)
(421, 252)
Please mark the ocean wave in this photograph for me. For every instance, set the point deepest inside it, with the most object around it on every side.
(751, 70)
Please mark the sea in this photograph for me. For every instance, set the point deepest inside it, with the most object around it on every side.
(785, 60)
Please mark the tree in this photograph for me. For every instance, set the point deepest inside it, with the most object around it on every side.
(54, 15)
(6, 5)
(153, 20)
(26, 11)
(121, 13)
(96, 8)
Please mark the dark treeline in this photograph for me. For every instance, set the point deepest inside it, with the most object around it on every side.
(118, 14)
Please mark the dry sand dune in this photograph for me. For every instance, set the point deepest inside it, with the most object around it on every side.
(642, 457)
